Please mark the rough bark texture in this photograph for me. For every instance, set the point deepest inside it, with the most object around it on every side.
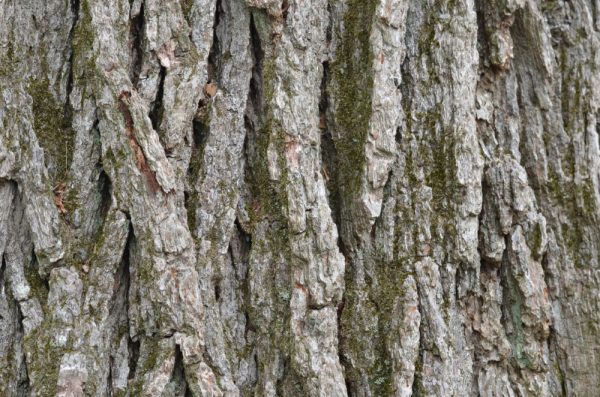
(299, 198)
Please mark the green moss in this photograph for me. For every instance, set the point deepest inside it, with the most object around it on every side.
(83, 38)
(353, 81)
(195, 172)
(8, 62)
(390, 288)
(152, 358)
(52, 125)
(418, 388)
(514, 302)
(186, 7)
(36, 284)
(148, 362)
(560, 376)
(379, 310)
(83, 43)
(270, 196)
(71, 200)
(535, 242)
(443, 168)
(43, 360)
(568, 185)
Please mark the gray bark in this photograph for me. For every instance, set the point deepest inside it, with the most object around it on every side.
(299, 198)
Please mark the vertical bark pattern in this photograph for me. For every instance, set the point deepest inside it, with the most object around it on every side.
(299, 197)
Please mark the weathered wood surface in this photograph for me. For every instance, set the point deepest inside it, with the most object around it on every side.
(299, 198)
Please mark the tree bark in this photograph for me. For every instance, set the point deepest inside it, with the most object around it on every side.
(299, 198)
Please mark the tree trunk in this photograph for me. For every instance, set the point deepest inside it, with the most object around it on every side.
(299, 198)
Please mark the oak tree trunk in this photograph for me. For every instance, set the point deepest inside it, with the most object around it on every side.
(299, 198)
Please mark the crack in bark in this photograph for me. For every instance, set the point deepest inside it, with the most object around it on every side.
(156, 112)
(23, 378)
(200, 132)
(254, 123)
(566, 93)
(179, 385)
(2, 270)
(328, 152)
(214, 66)
(75, 10)
(136, 32)
(134, 355)
(133, 341)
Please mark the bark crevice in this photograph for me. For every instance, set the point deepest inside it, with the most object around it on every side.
(364, 198)
(136, 36)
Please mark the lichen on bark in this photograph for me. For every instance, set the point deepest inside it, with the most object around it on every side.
(299, 197)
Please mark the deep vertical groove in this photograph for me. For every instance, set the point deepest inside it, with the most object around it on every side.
(156, 112)
(328, 151)
(253, 117)
(178, 374)
(2, 269)
(534, 96)
(482, 41)
(200, 131)
(214, 65)
(201, 128)
(109, 380)
(136, 33)
(105, 188)
(133, 345)
(245, 241)
(75, 10)
(255, 94)
(134, 355)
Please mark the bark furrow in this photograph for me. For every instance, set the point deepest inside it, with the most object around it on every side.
(299, 197)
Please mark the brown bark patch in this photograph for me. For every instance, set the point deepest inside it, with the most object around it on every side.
(210, 90)
(140, 159)
(59, 192)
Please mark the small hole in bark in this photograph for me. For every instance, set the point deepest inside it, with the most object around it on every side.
(398, 134)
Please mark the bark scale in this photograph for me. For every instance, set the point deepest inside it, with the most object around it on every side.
(303, 198)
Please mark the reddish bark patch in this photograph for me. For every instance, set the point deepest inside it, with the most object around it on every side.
(322, 121)
(59, 192)
(140, 159)
(210, 89)
(301, 288)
